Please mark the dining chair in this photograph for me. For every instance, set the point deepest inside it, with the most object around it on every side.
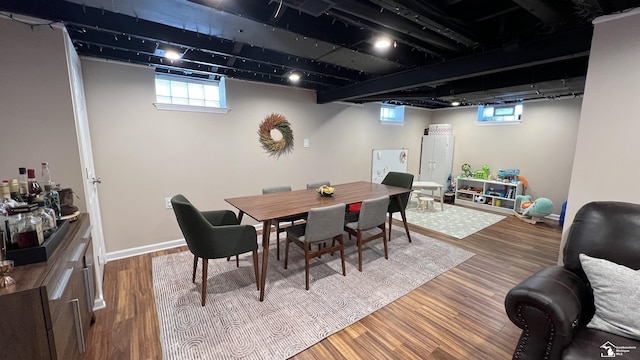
(315, 185)
(373, 214)
(290, 220)
(404, 180)
(212, 235)
(323, 224)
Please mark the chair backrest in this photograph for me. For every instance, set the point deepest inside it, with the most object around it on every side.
(324, 223)
(604, 229)
(373, 213)
(276, 189)
(192, 223)
(399, 179)
(316, 185)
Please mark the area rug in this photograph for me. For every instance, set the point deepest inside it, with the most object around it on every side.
(456, 221)
(234, 324)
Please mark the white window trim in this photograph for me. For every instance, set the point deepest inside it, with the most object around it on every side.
(392, 122)
(191, 108)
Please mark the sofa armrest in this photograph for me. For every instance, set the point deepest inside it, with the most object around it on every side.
(548, 307)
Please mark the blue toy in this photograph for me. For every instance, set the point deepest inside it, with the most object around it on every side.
(532, 211)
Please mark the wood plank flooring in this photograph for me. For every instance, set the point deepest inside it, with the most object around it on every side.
(458, 315)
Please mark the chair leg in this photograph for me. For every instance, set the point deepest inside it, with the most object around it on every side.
(390, 220)
(205, 267)
(307, 249)
(384, 241)
(286, 252)
(255, 268)
(340, 240)
(237, 261)
(277, 241)
(359, 239)
(195, 265)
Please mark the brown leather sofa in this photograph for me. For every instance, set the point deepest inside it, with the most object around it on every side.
(553, 306)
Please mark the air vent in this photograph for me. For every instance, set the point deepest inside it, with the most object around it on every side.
(311, 7)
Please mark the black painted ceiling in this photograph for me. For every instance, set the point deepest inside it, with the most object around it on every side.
(476, 52)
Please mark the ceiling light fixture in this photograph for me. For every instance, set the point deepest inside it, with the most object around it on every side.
(294, 77)
(172, 55)
(382, 43)
(455, 103)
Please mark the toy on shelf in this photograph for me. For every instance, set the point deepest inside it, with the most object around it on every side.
(466, 171)
(480, 199)
(482, 174)
(508, 175)
(532, 211)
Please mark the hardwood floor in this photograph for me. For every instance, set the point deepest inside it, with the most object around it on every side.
(458, 315)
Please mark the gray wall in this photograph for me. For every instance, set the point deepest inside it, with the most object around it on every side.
(36, 113)
(607, 148)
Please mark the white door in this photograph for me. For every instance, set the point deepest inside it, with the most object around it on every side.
(86, 161)
(426, 158)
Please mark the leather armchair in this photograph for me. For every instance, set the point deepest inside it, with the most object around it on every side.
(553, 306)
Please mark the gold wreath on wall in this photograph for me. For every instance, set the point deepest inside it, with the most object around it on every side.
(276, 147)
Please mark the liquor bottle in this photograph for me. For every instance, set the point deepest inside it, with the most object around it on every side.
(14, 190)
(46, 175)
(52, 200)
(23, 182)
(34, 186)
(30, 231)
(4, 189)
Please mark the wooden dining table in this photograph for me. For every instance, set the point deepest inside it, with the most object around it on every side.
(267, 208)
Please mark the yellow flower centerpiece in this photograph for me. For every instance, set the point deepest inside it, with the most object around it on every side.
(325, 190)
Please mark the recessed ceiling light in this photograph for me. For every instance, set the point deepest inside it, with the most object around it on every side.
(383, 43)
(294, 77)
(455, 103)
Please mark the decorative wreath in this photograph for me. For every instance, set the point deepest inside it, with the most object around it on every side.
(276, 147)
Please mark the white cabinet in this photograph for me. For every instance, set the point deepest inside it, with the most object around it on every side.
(497, 195)
(436, 160)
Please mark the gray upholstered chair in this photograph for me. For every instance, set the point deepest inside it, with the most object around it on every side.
(283, 221)
(213, 235)
(373, 215)
(322, 224)
(404, 180)
(315, 185)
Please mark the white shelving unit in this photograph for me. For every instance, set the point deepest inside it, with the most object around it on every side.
(499, 196)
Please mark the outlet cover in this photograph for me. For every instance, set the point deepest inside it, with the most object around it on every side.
(167, 203)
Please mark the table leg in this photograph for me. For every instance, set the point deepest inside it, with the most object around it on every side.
(404, 216)
(266, 233)
(441, 198)
(240, 215)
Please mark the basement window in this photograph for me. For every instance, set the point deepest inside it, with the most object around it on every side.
(391, 114)
(181, 93)
(499, 114)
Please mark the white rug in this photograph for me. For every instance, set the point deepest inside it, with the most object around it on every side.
(234, 324)
(456, 221)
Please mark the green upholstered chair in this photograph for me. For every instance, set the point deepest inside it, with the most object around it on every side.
(213, 235)
(404, 180)
(290, 220)
(323, 224)
(373, 215)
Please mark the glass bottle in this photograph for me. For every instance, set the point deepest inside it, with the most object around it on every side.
(23, 182)
(52, 200)
(34, 186)
(4, 189)
(46, 175)
(48, 222)
(29, 231)
(14, 190)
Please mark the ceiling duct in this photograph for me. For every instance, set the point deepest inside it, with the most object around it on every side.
(311, 7)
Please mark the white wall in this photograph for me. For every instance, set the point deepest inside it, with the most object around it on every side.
(144, 155)
(542, 147)
(606, 161)
(36, 113)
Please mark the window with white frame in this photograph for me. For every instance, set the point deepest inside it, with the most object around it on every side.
(499, 114)
(391, 114)
(190, 94)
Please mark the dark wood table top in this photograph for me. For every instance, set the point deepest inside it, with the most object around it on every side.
(289, 203)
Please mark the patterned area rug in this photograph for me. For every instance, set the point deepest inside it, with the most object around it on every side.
(234, 324)
(456, 221)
